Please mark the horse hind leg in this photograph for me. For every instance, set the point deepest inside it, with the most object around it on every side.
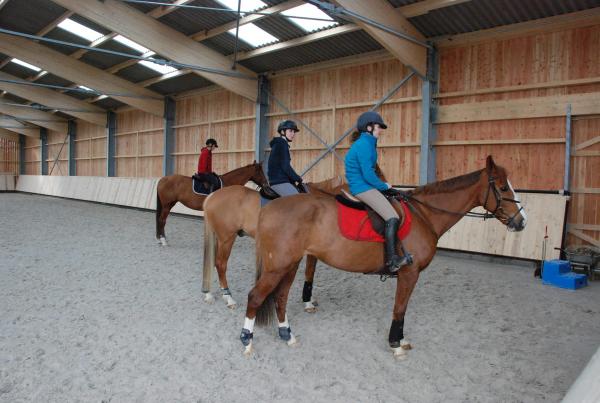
(310, 303)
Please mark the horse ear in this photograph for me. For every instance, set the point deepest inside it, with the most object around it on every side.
(490, 164)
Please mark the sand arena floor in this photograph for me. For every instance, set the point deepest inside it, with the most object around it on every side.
(93, 310)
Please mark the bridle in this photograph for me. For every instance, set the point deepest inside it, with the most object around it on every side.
(491, 189)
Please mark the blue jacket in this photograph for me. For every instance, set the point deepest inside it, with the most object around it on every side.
(279, 168)
(360, 165)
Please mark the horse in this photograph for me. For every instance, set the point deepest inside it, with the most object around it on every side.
(178, 188)
(233, 211)
(311, 227)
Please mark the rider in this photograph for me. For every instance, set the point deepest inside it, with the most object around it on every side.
(366, 186)
(282, 177)
(205, 172)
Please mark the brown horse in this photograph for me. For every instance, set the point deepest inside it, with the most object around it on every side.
(311, 227)
(178, 188)
(233, 211)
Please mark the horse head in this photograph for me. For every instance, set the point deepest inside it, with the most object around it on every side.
(499, 198)
(258, 174)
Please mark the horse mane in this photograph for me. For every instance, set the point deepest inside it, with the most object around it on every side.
(448, 185)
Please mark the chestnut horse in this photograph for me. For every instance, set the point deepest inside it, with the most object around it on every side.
(233, 211)
(294, 226)
(178, 188)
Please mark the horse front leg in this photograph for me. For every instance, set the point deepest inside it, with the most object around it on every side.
(223, 253)
(310, 304)
(162, 221)
(407, 279)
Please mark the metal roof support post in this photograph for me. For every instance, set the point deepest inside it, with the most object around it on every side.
(261, 135)
(111, 145)
(428, 117)
(567, 180)
(169, 137)
(332, 147)
(72, 131)
(21, 154)
(43, 151)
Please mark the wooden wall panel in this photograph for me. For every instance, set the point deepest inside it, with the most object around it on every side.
(548, 66)
(32, 156)
(222, 115)
(584, 208)
(139, 144)
(58, 153)
(90, 149)
(9, 156)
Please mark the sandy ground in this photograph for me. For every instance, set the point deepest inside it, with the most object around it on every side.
(93, 310)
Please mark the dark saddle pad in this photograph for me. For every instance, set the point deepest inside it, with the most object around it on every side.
(268, 193)
(376, 221)
(204, 184)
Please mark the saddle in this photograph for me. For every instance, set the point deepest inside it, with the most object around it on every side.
(359, 222)
(267, 193)
(206, 183)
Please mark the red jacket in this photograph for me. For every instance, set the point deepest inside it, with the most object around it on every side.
(205, 161)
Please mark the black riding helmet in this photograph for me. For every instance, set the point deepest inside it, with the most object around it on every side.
(287, 124)
(369, 118)
(212, 142)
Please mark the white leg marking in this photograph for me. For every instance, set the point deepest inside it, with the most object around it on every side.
(523, 214)
(310, 307)
(399, 353)
(163, 241)
(249, 324)
(285, 322)
(292, 341)
(248, 350)
(208, 298)
(231, 304)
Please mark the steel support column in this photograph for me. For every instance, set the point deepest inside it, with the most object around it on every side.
(169, 137)
(567, 180)
(72, 131)
(428, 117)
(111, 145)
(261, 135)
(21, 154)
(43, 151)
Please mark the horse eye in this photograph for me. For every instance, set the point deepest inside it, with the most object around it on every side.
(504, 188)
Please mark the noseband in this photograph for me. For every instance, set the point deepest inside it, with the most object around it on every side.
(499, 199)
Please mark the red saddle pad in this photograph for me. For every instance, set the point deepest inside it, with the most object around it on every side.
(355, 224)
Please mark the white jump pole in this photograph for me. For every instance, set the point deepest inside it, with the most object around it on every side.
(586, 388)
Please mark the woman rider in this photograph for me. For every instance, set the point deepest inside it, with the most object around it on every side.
(366, 186)
(282, 177)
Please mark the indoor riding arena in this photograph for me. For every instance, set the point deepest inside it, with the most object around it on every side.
(147, 235)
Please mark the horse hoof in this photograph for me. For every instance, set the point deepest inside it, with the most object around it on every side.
(405, 345)
(399, 353)
(208, 298)
(231, 304)
(292, 342)
(248, 350)
(309, 307)
(163, 241)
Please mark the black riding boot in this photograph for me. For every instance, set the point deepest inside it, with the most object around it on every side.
(393, 262)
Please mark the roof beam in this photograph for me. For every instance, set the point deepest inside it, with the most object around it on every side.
(164, 40)
(409, 53)
(18, 127)
(423, 7)
(55, 99)
(40, 118)
(82, 73)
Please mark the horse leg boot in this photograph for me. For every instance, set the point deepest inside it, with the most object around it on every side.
(393, 262)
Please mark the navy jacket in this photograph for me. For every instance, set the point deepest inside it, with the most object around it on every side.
(360, 164)
(279, 168)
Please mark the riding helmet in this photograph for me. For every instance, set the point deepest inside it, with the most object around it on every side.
(212, 142)
(369, 118)
(287, 124)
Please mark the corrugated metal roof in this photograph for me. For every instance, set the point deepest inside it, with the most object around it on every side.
(52, 79)
(280, 27)
(109, 103)
(105, 60)
(189, 21)
(183, 83)
(137, 73)
(90, 24)
(400, 3)
(224, 44)
(483, 14)
(335, 47)
(147, 7)
(29, 16)
(18, 70)
(65, 36)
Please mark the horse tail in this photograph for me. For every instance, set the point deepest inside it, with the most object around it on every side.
(265, 314)
(210, 249)
(158, 212)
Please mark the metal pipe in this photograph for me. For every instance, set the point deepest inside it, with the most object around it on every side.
(49, 108)
(567, 179)
(237, 32)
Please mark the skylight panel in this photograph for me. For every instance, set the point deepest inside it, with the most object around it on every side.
(308, 10)
(25, 64)
(254, 35)
(247, 5)
(83, 87)
(80, 30)
(131, 44)
(158, 67)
